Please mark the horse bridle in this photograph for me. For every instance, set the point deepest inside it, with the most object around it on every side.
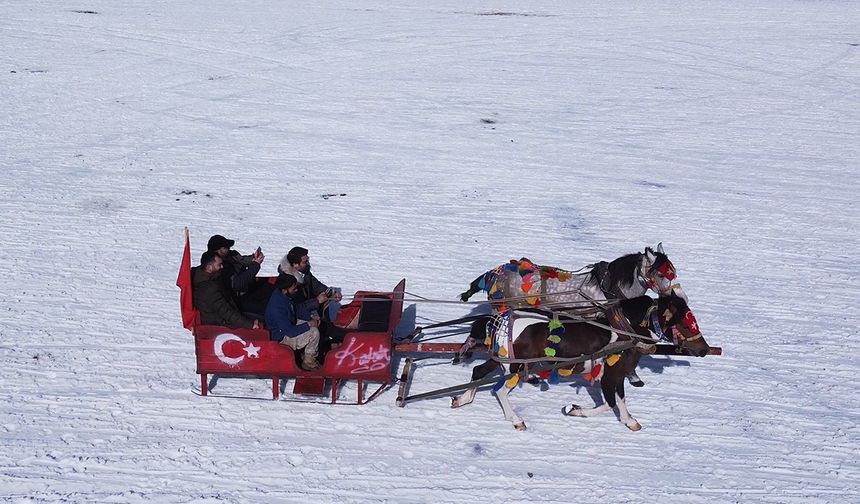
(666, 270)
(679, 338)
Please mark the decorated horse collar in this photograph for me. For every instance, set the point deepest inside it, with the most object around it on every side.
(618, 320)
(651, 321)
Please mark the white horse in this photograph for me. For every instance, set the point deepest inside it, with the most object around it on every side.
(522, 284)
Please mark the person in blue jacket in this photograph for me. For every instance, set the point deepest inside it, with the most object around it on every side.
(293, 325)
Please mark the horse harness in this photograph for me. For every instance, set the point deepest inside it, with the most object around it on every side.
(612, 290)
(652, 322)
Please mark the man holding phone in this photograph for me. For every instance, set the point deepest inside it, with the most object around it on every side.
(312, 294)
(239, 274)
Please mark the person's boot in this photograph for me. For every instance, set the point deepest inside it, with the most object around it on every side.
(310, 363)
(335, 334)
(634, 379)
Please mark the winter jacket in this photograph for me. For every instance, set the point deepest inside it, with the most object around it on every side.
(215, 301)
(239, 272)
(282, 315)
(309, 286)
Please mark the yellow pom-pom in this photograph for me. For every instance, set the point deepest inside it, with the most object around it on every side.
(512, 382)
(565, 372)
(612, 359)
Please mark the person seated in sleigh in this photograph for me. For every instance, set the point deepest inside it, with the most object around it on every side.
(214, 300)
(312, 294)
(239, 275)
(297, 327)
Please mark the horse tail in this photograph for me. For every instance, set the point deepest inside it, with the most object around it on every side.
(474, 287)
(486, 281)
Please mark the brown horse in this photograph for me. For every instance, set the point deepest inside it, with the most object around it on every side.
(644, 315)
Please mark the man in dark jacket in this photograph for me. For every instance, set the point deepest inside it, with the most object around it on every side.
(240, 275)
(292, 325)
(213, 299)
(312, 295)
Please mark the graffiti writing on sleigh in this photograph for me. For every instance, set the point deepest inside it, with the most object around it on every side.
(359, 357)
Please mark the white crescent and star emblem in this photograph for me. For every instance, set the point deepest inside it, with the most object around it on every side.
(251, 351)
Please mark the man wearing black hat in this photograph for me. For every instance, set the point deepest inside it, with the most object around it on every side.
(292, 325)
(240, 275)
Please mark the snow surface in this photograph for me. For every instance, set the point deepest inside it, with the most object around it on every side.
(453, 136)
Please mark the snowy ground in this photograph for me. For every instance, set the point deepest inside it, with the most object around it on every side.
(454, 136)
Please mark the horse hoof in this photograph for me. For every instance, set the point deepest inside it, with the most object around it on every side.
(635, 427)
(520, 426)
(573, 410)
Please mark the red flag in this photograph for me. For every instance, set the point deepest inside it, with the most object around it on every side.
(183, 281)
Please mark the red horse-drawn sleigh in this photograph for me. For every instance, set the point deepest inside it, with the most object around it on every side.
(369, 348)
(364, 356)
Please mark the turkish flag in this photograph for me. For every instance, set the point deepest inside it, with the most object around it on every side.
(183, 281)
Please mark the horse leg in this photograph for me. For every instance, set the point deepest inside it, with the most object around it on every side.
(502, 396)
(634, 379)
(616, 376)
(632, 376)
(578, 411)
(467, 397)
(464, 352)
(478, 332)
(607, 385)
(478, 372)
(625, 416)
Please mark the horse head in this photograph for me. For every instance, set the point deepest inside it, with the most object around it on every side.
(674, 315)
(660, 273)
